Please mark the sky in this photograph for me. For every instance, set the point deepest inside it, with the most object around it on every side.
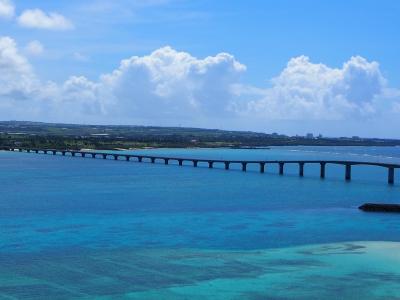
(292, 67)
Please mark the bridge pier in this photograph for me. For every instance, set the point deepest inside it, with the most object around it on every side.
(391, 175)
(180, 162)
(195, 163)
(115, 157)
(244, 166)
(281, 166)
(104, 156)
(140, 158)
(153, 160)
(210, 164)
(72, 153)
(127, 158)
(262, 167)
(227, 163)
(322, 173)
(166, 161)
(54, 152)
(301, 169)
(62, 153)
(348, 172)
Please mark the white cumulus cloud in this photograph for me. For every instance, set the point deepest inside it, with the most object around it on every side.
(16, 75)
(34, 48)
(164, 85)
(36, 18)
(20, 89)
(168, 83)
(306, 90)
(7, 9)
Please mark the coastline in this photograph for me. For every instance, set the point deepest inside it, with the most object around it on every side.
(235, 148)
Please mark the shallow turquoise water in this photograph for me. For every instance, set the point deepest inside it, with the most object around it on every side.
(56, 208)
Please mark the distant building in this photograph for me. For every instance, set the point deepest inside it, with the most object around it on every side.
(309, 136)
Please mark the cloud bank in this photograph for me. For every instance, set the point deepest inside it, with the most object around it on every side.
(305, 90)
(169, 87)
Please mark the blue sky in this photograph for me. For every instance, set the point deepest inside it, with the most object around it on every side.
(261, 85)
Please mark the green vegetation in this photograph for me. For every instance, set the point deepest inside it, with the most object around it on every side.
(69, 136)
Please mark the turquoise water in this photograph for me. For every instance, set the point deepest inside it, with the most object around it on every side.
(85, 228)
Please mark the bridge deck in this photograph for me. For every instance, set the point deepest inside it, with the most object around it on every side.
(153, 158)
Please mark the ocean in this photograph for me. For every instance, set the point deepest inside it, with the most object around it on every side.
(74, 228)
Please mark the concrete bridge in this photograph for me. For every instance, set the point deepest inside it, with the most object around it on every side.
(227, 163)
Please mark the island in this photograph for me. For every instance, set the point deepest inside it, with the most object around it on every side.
(26, 134)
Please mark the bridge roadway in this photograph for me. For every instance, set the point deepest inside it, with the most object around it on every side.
(195, 161)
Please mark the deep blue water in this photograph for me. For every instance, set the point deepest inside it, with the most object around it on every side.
(51, 205)
(52, 202)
